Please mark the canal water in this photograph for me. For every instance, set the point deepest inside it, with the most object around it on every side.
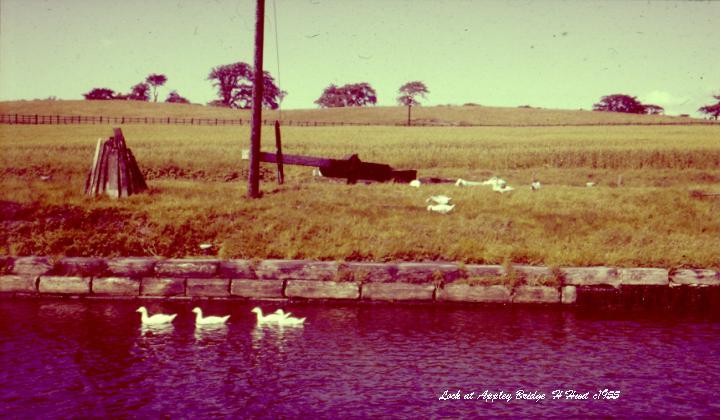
(73, 358)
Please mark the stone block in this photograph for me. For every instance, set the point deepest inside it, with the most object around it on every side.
(536, 294)
(312, 289)
(81, 266)
(531, 273)
(368, 272)
(256, 288)
(14, 283)
(397, 291)
(419, 273)
(64, 285)
(208, 287)
(163, 286)
(688, 277)
(590, 276)
(186, 268)
(297, 270)
(132, 267)
(643, 276)
(32, 266)
(484, 271)
(237, 269)
(116, 286)
(459, 292)
(568, 295)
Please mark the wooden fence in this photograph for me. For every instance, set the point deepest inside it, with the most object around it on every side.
(89, 119)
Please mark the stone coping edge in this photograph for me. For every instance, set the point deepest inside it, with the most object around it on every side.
(140, 277)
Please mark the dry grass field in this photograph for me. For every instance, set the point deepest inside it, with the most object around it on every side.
(437, 115)
(662, 215)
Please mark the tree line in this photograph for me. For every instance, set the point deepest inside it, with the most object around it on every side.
(142, 91)
(234, 84)
(629, 104)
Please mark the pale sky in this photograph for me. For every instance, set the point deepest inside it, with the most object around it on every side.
(543, 53)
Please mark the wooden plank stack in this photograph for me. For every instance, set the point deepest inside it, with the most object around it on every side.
(114, 170)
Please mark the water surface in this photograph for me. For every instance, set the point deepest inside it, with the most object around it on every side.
(63, 358)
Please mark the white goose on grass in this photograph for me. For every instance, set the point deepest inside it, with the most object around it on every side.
(501, 186)
(441, 208)
(439, 199)
(279, 317)
(208, 320)
(503, 189)
(465, 183)
(156, 319)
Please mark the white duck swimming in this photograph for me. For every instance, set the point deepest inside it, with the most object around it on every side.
(279, 317)
(439, 199)
(156, 319)
(208, 320)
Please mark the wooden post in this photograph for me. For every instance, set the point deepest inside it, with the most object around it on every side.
(254, 174)
(278, 153)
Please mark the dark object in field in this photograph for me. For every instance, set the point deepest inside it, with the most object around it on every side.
(351, 168)
(114, 170)
(436, 180)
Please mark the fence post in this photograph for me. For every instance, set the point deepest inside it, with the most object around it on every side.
(36, 119)
(278, 154)
(192, 121)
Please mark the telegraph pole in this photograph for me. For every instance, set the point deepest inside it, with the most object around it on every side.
(256, 127)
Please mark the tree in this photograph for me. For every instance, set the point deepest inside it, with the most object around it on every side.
(235, 86)
(652, 109)
(155, 80)
(175, 98)
(332, 97)
(100, 94)
(712, 110)
(139, 92)
(619, 103)
(408, 92)
(355, 94)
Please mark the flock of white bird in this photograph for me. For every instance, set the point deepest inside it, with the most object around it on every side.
(497, 184)
(441, 203)
(279, 317)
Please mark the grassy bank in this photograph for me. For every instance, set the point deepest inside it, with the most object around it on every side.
(198, 185)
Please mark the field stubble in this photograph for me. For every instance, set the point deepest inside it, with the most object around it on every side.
(198, 195)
